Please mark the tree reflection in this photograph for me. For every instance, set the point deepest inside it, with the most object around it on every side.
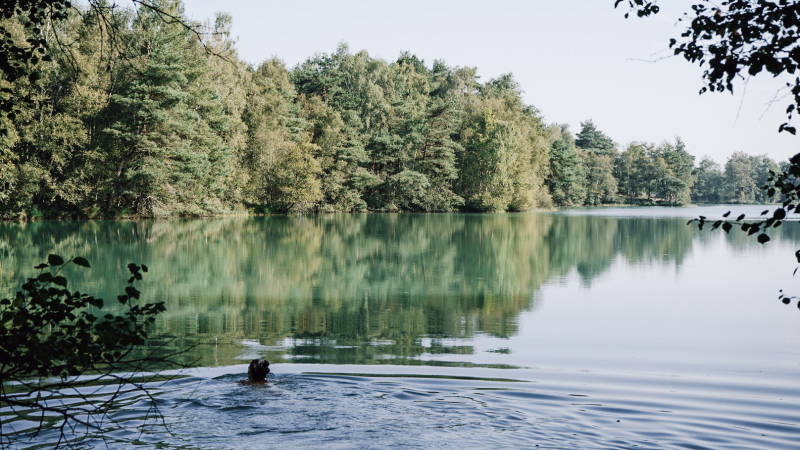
(356, 288)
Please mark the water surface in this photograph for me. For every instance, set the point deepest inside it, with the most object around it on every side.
(598, 315)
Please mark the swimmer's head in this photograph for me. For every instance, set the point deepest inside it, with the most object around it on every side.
(258, 370)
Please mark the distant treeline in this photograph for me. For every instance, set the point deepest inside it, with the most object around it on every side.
(132, 115)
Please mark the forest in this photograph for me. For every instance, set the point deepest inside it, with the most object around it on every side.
(150, 118)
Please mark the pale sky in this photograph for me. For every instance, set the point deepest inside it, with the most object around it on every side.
(575, 60)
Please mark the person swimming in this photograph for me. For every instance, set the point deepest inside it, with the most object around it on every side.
(257, 371)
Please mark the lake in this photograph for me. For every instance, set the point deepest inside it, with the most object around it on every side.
(607, 328)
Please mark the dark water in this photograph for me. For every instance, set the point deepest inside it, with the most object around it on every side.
(588, 328)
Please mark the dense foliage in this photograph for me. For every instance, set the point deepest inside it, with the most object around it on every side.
(53, 339)
(132, 115)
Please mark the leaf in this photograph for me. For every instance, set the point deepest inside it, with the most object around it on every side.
(132, 292)
(764, 213)
(763, 238)
(61, 281)
(45, 277)
(787, 128)
(144, 268)
(702, 217)
(779, 214)
(727, 227)
(741, 216)
(81, 261)
(726, 214)
(41, 266)
(55, 260)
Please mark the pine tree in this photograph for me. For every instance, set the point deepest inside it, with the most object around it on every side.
(165, 141)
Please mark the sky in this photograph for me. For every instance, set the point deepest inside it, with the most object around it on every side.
(575, 59)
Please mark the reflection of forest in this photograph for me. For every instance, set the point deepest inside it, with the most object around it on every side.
(343, 280)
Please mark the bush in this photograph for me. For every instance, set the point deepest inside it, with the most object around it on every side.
(50, 342)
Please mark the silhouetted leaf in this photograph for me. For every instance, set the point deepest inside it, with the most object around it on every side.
(81, 261)
(741, 216)
(55, 260)
(45, 277)
(786, 127)
(764, 213)
(132, 291)
(61, 281)
(726, 214)
(779, 214)
(786, 301)
(727, 227)
(763, 238)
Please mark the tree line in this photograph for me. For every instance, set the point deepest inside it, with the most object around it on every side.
(131, 115)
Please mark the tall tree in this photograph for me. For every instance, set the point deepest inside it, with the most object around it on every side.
(567, 171)
(284, 173)
(599, 156)
(709, 185)
(594, 140)
(741, 178)
(165, 140)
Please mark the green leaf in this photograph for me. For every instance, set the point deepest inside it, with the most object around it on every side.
(81, 261)
(45, 277)
(55, 260)
(763, 238)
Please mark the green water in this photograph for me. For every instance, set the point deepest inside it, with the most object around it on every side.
(586, 328)
(349, 289)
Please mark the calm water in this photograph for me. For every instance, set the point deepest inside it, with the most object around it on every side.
(586, 328)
